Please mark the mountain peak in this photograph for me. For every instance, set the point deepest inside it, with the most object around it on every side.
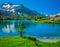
(9, 5)
(6, 5)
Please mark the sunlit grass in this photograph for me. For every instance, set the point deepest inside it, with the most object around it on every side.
(17, 41)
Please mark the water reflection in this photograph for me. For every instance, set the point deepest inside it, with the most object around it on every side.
(10, 27)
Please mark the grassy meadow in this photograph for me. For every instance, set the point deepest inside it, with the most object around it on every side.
(17, 41)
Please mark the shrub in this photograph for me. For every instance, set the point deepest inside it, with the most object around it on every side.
(31, 38)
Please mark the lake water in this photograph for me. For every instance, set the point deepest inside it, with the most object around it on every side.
(39, 30)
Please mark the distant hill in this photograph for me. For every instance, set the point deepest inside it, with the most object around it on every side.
(55, 17)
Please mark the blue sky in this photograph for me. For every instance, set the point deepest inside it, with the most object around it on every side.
(42, 6)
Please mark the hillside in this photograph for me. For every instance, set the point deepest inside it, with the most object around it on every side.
(11, 11)
(16, 41)
(8, 9)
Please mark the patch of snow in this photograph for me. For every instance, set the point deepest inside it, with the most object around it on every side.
(15, 5)
(46, 15)
(6, 6)
(19, 13)
(58, 14)
(12, 10)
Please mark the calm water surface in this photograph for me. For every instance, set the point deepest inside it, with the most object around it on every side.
(10, 28)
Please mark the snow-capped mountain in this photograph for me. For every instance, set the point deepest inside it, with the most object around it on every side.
(10, 9)
(8, 5)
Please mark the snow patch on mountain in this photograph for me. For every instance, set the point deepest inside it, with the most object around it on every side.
(6, 6)
(12, 10)
(58, 14)
(15, 5)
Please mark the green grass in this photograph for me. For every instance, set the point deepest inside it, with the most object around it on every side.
(16, 41)
(46, 21)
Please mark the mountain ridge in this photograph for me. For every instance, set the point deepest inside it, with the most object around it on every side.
(11, 9)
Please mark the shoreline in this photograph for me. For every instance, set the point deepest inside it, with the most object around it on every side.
(49, 40)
